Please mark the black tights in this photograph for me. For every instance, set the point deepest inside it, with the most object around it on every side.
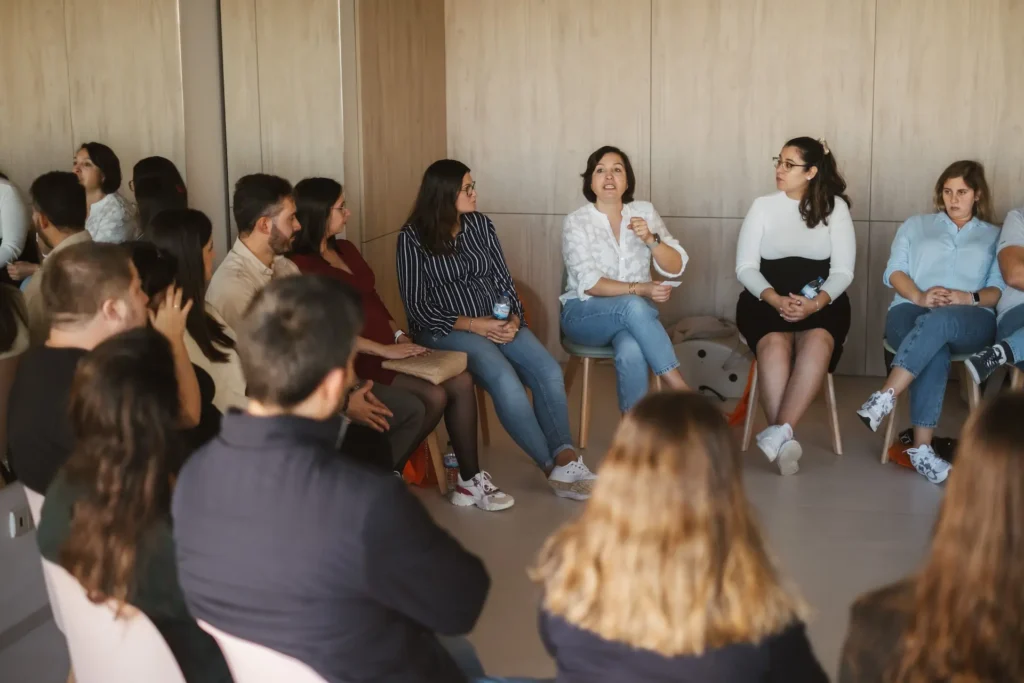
(456, 400)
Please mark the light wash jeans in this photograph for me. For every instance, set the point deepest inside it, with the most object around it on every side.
(924, 338)
(464, 654)
(1010, 329)
(541, 430)
(630, 325)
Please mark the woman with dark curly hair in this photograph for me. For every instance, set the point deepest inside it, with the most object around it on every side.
(106, 518)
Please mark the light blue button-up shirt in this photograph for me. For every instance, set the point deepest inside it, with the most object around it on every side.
(934, 253)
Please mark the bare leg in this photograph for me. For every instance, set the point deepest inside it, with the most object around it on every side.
(898, 380)
(674, 380)
(813, 353)
(923, 436)
(774, 361)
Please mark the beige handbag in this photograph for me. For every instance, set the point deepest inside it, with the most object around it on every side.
(435, 367)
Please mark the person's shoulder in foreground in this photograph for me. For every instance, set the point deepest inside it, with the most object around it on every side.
(877, 620)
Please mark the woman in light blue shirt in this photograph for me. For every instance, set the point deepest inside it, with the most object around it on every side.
(943, 267)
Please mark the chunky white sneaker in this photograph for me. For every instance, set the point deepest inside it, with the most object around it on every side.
(778, 444)
(574, 480)
(924, 460)
(481, 492)
(876, 408)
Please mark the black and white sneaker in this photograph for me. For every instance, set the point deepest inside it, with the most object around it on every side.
(876, 408)
(982, 364)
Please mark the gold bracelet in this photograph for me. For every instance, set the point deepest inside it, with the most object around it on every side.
(632, 288)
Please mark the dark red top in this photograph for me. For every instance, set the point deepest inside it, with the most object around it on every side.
(378, 320)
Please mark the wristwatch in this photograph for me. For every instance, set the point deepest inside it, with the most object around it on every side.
(398, 333)
(977, 298)
(657, 240)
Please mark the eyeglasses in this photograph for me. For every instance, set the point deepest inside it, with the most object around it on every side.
(786, 164)
(343, 206)
(468, 189)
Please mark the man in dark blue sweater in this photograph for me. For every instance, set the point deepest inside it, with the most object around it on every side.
(283, 542)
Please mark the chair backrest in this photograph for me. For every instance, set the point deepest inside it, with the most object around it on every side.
(105, 649)
(252, 663)
(35, 506)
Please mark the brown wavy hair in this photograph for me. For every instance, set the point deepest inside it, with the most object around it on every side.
(666, 556)
(124, 410)
(819, 200)
(968, 618)
(973, 174)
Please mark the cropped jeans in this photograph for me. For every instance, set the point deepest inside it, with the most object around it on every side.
(924, 339)
(630, 325)
(1010, 329)
(542, 430)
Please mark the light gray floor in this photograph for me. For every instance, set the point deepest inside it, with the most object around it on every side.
(839, 527)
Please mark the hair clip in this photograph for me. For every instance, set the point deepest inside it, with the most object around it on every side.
(824, 146)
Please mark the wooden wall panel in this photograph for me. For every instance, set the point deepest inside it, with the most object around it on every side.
(299, 57)
(534, 86)
(950, 85)
(239, 55)
(402, 100)
(380, 255)
(35, 116)
(125, 82)
(709, 282)
(879, 297)
(734, 79)
(855, 352)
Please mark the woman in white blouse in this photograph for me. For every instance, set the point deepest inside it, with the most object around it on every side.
(608, 247)
(795, 259)
(14, 222)
(111, 217)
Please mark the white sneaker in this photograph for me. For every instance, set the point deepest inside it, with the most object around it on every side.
(481, 492)
(574, 480)
(778, 444)
(924, 460)
(876, 408)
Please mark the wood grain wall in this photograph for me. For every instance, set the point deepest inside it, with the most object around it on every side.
(702, 93)
(78, 70)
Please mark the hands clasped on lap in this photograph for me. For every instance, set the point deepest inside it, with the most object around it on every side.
(937, 297)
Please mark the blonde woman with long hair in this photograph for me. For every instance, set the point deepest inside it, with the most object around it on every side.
(665, 577)
(961, 618)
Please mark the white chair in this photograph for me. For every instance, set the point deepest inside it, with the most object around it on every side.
(35, 506)
(105, 649)
(252, 663)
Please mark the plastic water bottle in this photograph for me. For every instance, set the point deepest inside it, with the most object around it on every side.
(502, 307)
(451, 469)
(811, 289)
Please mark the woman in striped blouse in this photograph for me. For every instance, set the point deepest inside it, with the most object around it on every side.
(451, 272)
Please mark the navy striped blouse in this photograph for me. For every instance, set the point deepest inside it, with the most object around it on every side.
(437, 289)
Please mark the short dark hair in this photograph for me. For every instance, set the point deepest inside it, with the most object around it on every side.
(185, 233)
(78, 279)
(61, 198)
(110, 166)
(295, 331)
(314, 199)
(159, 167)
(434, 214)
(154, 194)
(256, 196)
(594, 159)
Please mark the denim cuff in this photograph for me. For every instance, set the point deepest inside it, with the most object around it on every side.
(667, 369)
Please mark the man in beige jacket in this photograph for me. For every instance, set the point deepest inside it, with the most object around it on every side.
(58, 217)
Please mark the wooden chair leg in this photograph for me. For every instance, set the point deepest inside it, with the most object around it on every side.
(833, 414)
(890, 427)
(748, 423)
(585, 404)
(570, 372)
(481, 411)
(1016, 379)
(973, 390)
(437, 458)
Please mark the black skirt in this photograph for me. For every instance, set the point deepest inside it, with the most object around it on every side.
(756, 318)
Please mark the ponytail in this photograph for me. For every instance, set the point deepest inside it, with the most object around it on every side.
(820, 198)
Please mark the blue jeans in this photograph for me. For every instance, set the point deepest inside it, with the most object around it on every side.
(464, 654)
(630, 325)
(542, 430)
(1010, 329)
(924, 338)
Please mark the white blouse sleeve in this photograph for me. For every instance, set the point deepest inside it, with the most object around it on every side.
(657, 226)
(14, 223)
(844, 250)
(580, 264)
(748, 253)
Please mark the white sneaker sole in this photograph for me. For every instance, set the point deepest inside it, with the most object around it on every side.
(464, 501)
(789, 458)
(772, 457)
(573, 490)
